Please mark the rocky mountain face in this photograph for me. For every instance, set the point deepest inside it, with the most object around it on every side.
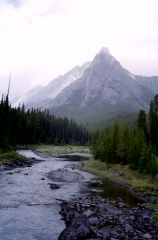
(101, 86)
(105, 87)
(26, 97)
(40, 97)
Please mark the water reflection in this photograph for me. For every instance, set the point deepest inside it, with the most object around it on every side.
(112, 190)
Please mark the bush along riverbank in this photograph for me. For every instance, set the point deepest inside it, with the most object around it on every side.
(10, 160)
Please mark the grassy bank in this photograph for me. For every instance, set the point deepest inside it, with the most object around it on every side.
(10, 160)
(125, 175)
(9, 156)
(55, 150)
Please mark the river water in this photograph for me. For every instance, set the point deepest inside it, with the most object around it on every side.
(29, 208)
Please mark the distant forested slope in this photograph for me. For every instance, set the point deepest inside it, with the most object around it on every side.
(136, 146)
(18, 126)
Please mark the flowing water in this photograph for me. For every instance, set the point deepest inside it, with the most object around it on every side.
(29, 208)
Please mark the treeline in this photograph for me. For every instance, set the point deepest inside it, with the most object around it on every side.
(18, 126)
(137, 147)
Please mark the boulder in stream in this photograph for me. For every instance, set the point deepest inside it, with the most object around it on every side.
(64, 175)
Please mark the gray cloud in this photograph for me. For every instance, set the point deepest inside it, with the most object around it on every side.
(15, 3)
(42, 39)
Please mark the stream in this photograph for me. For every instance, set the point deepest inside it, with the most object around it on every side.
(29, 208)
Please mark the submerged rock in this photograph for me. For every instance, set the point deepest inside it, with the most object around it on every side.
(97, 218)
(54, 186)
(64, 175)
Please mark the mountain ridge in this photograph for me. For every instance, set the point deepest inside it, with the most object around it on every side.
(101, 85)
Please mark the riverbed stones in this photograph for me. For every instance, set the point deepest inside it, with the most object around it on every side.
(147, 236)
(54, 186)
(120, 203)
(96, 218)
(11, 164)
(64, 175)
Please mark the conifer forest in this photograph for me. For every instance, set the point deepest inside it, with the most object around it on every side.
(18, 127)
(137, 147)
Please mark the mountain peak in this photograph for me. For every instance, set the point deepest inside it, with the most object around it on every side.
(100, 86)
(103, 55)
(104, 50)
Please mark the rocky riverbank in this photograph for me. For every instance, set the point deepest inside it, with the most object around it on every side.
(98, 218)
(14, 163)
(142, 187)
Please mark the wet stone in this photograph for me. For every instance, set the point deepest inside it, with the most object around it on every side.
(64, 175)
(53, 186)
(120, 203)
(9, 164)
(96, 218)
(10, 173)
(147, 236)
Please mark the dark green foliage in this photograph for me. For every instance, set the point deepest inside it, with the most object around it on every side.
(153, 119)
(137, 142)
(124, 145)
(106, 146)
(136, 146)
(35, 126)
(148, 161)
(145, 159)
(153, 165)
(95, 142)
(142, 123)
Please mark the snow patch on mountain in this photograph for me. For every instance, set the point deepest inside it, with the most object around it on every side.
(26, 97)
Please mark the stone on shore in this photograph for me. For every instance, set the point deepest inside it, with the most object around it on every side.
(97, 218)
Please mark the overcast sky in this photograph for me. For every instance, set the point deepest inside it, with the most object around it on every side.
(41, 39)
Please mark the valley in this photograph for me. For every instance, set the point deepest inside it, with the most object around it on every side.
(78, 120)
(87, 142)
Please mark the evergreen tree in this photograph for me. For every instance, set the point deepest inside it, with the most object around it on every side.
(115, 141)
(153, 118)
(142, 123)
(132, 146)
(145, 159)
(137, 142)
(35, 126)
(124, 147)
(107, 146)
(96, 144)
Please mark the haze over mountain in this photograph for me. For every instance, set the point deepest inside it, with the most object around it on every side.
(101, 86)
(41, 96)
